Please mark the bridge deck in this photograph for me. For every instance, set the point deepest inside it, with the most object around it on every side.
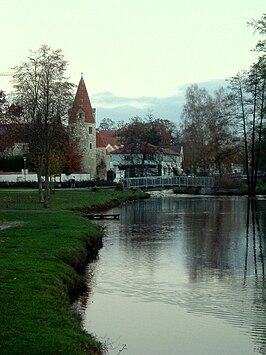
(173, 181)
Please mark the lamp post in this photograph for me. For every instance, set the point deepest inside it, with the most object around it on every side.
(25, 164)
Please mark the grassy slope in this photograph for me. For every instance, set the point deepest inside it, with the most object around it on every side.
(35, 272)
(62, 199)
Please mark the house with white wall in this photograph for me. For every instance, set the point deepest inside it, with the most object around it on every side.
(145, 160)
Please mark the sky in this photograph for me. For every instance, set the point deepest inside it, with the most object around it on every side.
(137, 56)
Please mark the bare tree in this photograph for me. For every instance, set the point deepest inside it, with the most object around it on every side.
(260, 27)
(194, 129)
(44, 93)
(207, 131)
(107, 124)
(249, 90)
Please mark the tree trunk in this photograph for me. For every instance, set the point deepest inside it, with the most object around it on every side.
(46, 183)
(253, 142)
(245, 139)
(258, 150)
(39, 174)
(46, 191)
(40, 190)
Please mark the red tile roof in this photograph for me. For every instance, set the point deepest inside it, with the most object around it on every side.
(141, 148)
(99, 141)
(103, 138)
(82, 101)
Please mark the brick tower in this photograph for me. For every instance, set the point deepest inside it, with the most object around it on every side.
(83, 129)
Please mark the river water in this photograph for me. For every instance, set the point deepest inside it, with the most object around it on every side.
(180, 275)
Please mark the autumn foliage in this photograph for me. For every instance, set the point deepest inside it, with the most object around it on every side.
(150, 130)
(72, 158)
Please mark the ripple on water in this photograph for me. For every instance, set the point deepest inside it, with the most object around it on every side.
(189, 255)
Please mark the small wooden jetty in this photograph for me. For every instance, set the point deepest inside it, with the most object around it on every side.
(102, 216)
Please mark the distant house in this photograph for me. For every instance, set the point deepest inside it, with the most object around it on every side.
(108, 139)
(18, 149)
(10, 144)
(135, 160)
(106, 142)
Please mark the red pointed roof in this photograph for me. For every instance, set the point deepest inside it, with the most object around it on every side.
(82, 102)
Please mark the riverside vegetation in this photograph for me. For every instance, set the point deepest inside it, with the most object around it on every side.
(42, 252)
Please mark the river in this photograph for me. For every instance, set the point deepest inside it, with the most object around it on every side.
(180, 275)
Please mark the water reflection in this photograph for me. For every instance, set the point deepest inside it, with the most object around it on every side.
(182, 258)
(254, 229)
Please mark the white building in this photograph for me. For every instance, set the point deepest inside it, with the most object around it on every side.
(145, 160)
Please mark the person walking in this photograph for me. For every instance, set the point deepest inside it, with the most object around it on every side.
(73, 182)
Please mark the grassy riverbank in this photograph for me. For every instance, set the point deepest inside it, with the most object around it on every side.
(39, 253)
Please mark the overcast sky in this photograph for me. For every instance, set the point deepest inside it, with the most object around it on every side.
(137, 56)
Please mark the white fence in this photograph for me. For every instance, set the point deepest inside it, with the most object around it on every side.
(28, 176)
(178, 181)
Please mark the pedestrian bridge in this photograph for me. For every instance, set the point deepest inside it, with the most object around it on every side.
(167, 182)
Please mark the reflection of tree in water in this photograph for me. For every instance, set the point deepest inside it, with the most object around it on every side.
(221, 242)
(255, 249)
(254, 237)
(212, 236)
(146, 228)
(225, 258)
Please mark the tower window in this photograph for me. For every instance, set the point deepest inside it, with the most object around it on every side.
(90, 145)
(90, 130)
(81, 116)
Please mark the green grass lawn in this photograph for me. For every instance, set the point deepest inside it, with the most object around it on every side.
(36, 275)
(61, 199)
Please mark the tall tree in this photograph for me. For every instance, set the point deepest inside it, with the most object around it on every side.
(249, 90)
(207, 131)
(148, 130)
(262, 162)
(107, 124)
(194, 129)
(44, 93)
(132, 132)
(260, 27)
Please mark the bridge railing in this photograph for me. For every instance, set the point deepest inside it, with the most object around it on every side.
(159, 181)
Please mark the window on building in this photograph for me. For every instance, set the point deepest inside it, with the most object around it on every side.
(127, 157)
(90, 130)
(81, 116)
(90, 145)
(149, 156)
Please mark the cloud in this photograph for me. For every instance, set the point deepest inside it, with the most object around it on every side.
(109, 100)
(120, 108)
(123, 108)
